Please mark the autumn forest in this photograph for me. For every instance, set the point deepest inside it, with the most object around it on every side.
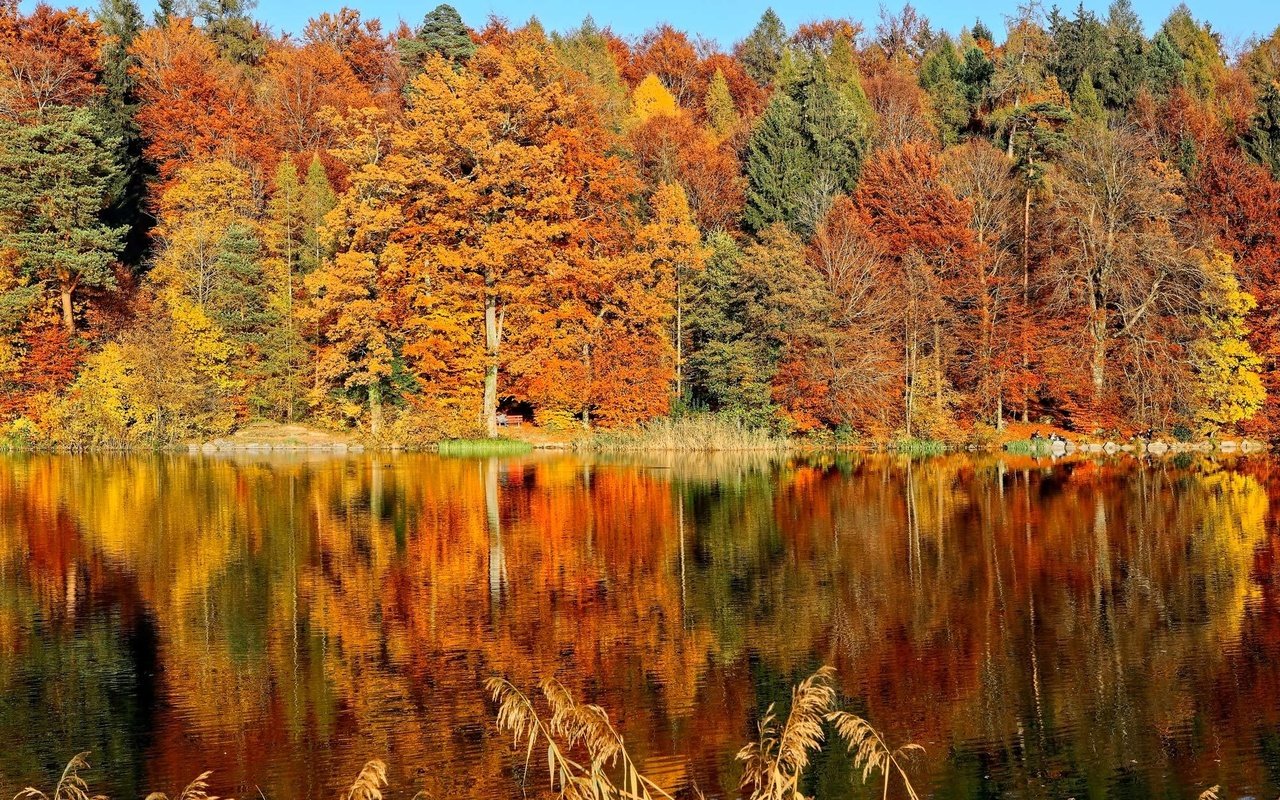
(869, 228)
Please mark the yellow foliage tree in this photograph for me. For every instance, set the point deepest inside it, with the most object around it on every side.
(487, 206)
(673, 244)
(351, 294)
(651, 99)
(1229, 387)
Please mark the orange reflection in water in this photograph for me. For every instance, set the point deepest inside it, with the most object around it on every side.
(1088, 627)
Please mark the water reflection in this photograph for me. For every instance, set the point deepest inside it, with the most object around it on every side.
(1085, 628)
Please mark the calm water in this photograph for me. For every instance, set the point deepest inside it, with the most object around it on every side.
(1084, 629)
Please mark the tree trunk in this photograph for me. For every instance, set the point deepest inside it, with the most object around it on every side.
(491, 366)
(679, 337)
(1099, 361)
(375, 410)
(1026, 296)
(67, 319)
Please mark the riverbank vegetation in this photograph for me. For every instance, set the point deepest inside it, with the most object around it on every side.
(869, 227)
(586, 757)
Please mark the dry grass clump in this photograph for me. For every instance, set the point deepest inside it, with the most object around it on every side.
(198, 789)
(70, 786)
(606, 773)
(695, 432)
(774, 764)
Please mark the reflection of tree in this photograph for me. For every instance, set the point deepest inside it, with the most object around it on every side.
(1045, 625)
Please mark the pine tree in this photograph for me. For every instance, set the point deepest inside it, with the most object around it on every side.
(761, 52)
(56, 176)
(1262, 140)
(779, 166)
(1085, 104)
(121, 21)
(1126, 67)
(442, 32)
(1164, 67)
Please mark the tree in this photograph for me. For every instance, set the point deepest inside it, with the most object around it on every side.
(55, 180)
(738, 319)
(1126, 64)
(490, 200)
(722, 115)
(586, 51)
(922, 228)
(651, 99)
(1080, 48)
(121, 21)
(673, 245)
(761, 52)
(192, 106)
(351, 296)
(48, 58)
(300, 82)
(1121, 265)
(229, 26)
(1262, 140)
(441, 33)
(1199, 48)
(779, 165)
(1228, 386)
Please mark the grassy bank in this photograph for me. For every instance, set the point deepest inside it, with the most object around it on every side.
(705, 432)
(483, 447)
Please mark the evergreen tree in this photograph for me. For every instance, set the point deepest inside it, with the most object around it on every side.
(836, 133)
(1199, 48)
(1079, 47)
(231, 27)
(1085, 104)
(56, 177)
(121, 21)
(442, 32)
(779, 166)
(975, 75)
(761, 52)
(1126, 67)
(938, 77)
(1262, 140)
(1164, 66)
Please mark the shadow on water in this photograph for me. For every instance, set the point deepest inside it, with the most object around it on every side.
(1045, 629)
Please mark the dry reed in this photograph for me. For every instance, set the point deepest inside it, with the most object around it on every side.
(369, 784)
(572, 726)
(198, 789)
(774, 764)
(70, 786)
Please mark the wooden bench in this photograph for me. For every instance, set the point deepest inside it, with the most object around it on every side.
(510, 421)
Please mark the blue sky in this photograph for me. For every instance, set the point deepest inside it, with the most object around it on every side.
(729, 20)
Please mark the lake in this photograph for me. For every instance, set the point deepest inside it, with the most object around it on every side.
(1085, 628)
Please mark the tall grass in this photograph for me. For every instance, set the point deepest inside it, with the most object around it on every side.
(703, 432)
(587, 759)
(572, 728)
(483, 447)
(774, 764)
(1027, 447)
(918, 447)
